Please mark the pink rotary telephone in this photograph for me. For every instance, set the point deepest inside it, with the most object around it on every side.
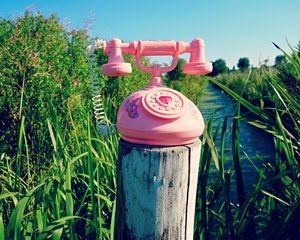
(157, 115)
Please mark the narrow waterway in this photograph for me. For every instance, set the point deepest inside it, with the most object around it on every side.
(257, 144)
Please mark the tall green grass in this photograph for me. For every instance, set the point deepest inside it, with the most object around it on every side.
(72, 197)
(270, 209)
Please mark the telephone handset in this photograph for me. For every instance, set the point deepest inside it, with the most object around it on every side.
(157, 115)
(116, 66)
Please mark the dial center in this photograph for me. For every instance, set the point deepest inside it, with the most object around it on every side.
(165, 99)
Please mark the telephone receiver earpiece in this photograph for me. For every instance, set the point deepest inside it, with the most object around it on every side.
(197, 63)
(117, 67)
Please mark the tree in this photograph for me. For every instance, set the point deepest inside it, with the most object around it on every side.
(243, 63)
(280, 59)
(219, 67)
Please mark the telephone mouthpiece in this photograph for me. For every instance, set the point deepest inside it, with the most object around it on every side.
(116, 69)
(194, 68)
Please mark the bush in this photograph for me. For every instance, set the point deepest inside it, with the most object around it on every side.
(288, 75)
(41, 64)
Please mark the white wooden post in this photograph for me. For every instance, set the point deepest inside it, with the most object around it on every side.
(156, 191)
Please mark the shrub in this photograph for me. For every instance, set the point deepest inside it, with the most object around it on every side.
(288, 75)
(41, 64)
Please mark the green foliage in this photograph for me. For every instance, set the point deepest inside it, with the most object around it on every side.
(57, 173)
(219, 67)
(270, 210)
(280, 60)
(289, 77)
(256, 88)
(41, 64)
(191, 86)
(253, 84)
(289, 74)
(72, 196)
(177, 73)
(243, 63)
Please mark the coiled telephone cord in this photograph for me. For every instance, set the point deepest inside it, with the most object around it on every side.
(101, 121)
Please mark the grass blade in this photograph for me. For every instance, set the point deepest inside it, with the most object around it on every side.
(291, 59)
(14, 227)
(276, 198)
(2, 233)
(236, 155)
(91, 177)
(255, 110)
(113, 221)
(249, 232)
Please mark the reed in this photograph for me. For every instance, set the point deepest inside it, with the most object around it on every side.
(71, 197)
(270, 209)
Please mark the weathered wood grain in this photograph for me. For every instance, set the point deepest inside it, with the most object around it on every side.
(156, 191)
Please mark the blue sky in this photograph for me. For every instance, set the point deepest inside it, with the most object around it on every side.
(230, 28)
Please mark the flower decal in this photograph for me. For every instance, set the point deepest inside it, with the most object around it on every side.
(131, 108)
